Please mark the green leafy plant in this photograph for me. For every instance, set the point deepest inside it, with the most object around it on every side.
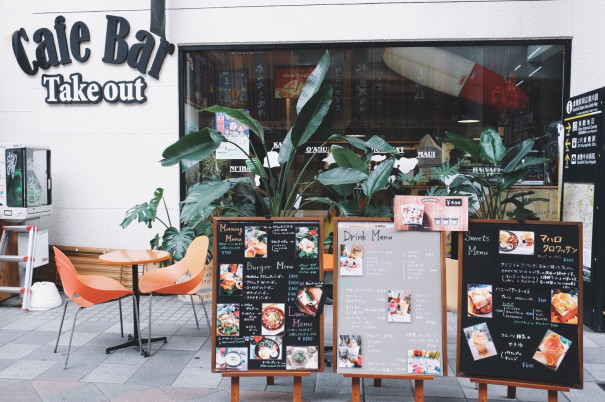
(497, 169)
(284, 198)
(352, 181)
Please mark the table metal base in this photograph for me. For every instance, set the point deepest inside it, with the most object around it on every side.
(135, 342)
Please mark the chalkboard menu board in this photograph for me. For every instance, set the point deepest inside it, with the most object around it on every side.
(267, 295)
(520, 305)
(389, 311)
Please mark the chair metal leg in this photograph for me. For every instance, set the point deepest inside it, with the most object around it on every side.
(138, 321)
(206, 313)
(61, 326)
(149, 329)
(194, 312)
(121, 321)
(73, 326)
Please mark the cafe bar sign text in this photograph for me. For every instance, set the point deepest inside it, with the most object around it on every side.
(59, 49)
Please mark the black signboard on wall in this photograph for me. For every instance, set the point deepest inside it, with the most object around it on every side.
(520, 315)
(267, 295)
(582, 194)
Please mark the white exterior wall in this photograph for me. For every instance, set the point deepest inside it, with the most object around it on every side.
(105, 156)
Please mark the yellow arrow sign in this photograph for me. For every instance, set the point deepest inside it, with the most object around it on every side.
(568, 127)
(567, 159)
(567, 144)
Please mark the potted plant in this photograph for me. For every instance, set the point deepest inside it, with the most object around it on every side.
(489, 183)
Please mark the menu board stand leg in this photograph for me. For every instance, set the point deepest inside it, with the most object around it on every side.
(297, 388)
(418, 383)
(511, 392)
(512, 385)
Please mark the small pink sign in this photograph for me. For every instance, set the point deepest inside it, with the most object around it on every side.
(430, 213)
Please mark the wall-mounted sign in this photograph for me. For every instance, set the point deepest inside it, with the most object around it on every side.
(54, 50)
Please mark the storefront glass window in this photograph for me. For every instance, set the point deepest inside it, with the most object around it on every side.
(397, 92)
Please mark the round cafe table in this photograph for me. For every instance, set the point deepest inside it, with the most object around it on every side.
(134, 258)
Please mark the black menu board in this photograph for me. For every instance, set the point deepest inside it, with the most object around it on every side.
(389, 310)
(267, 295)
(520, 304)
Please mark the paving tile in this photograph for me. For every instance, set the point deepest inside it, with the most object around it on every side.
(50, 387)
(79, 338)
(445, 387)
(9, 335)
(4, 363)
(198, 377)
(154, 394)
(37, 337)
(155, 374)
(111, 373)
(19, 391)
(184, 343)
(85, 392)
(113, 391)
(591, 392)
(401, 388)
(47, 352)
(596, 355)
(16, 350)
(182, 394)
(330, 382)
(26, 324)
(26, 369)
(127, 356)
(597, 370)
(81, 362)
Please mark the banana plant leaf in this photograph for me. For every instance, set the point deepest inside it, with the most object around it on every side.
(256, 167)
(466, 144)
(314, 81)
(378, 178)
(348, 208)
(242, 116)
(378, 211)
(511, 178)
(192, 148)
(492, 147)
(354, 141)
(341, 176)
(311, 116)
(381, 145)
(200, 196)
(348, 159)
(514, 155)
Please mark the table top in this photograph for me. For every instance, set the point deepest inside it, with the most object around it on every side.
(124, 257)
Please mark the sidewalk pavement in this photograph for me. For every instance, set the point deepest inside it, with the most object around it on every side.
(180, 369)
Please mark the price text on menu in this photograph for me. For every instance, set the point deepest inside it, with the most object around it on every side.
(267, 295)
(520, 311)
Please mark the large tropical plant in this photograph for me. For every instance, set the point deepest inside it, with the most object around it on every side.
(496, 169)
(354, 197)
(283, 198)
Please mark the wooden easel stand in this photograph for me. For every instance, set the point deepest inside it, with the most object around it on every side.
(297, 393)
(418, 383)
(512, 385)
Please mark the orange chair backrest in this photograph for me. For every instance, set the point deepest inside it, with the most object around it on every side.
(79, 292)
(195, 257)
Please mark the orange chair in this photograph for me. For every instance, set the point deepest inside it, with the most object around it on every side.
(163, 281)
(87, 291)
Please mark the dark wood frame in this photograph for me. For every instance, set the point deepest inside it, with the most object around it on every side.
(265, 373)
(335, 306)
(511, 382)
